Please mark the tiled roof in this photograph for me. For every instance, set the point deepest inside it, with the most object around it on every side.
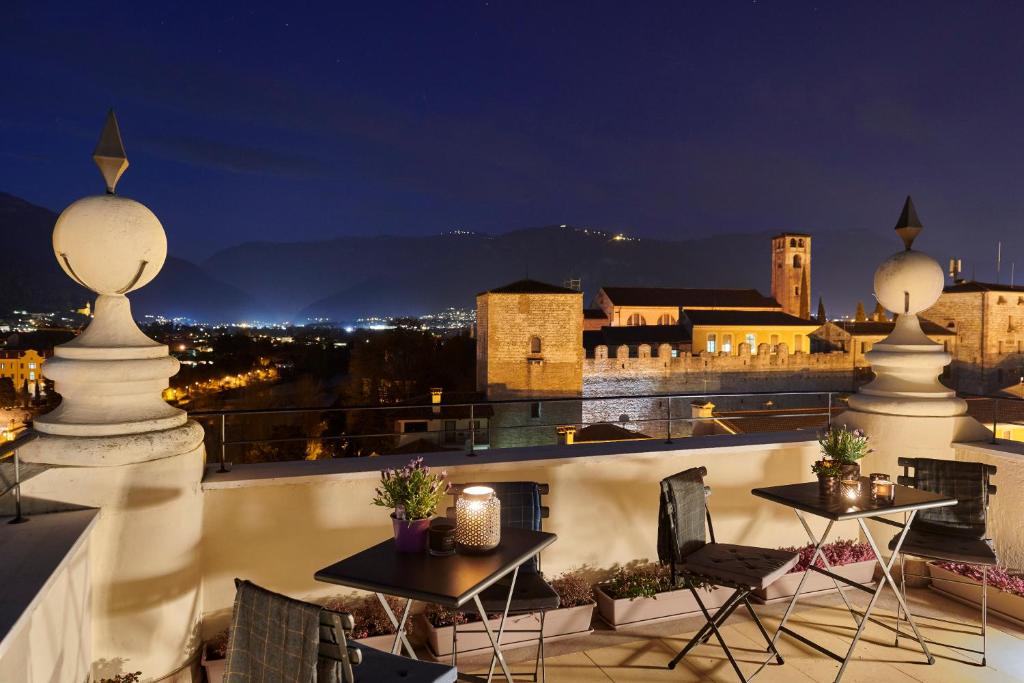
(530, 287)
(873, 327)
(684, 298)
(973, 286)
(639, 334)
(606, 431)
(753, 318)
(784, 420)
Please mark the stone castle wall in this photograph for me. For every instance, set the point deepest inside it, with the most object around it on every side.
(989, 351)
(651, 374)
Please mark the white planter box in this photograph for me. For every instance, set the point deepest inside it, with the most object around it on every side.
(1006, 605)
(558, 624)
(860, 572)
(622, 612)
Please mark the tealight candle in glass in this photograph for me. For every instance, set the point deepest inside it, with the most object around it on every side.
(882, 490)
(477, 520)
(850, 489)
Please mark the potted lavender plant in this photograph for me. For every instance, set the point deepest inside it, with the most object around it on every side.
(843, 447)
(413, 494)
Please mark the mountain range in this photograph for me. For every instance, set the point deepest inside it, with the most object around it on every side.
(349, 277)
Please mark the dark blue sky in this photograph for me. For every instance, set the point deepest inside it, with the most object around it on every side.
(294, 120)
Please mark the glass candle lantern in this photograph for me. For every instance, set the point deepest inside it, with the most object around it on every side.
(882, 490)
(850, 489)
(441, 537)
(477, 520)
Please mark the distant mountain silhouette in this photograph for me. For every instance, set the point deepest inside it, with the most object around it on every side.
(350, 277)
(31, 279)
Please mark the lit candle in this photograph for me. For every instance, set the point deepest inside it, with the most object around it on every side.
(850, 488)
(882, 490)
(477, 520)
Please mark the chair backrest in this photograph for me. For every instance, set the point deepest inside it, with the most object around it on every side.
(684, 521)
(520, 506)
(968, 482)
(266, 637)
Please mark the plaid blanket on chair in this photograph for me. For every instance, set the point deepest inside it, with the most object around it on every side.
(274, 639)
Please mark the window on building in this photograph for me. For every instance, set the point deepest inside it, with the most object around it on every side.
(792, 242)
(31, 366)
(863, 347)
(535, 409)
(534, 344)
(801, 242)
(798, 342)
(796, 291)
(635, 320)
(726, 343)
(751, 339)
(675, 353)
(798, 261)
(667, 319)
(31, 374)
(712, 343)
(774, 342)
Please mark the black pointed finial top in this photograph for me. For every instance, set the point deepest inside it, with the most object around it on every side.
(109, 154)
(909, 225)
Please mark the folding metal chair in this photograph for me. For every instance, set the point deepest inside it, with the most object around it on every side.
(684, 525)
(956, 533)
(520, 508)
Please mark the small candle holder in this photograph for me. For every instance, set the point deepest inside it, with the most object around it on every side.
(850, 489)
(441, 537)
(882, 490)
(477, 520)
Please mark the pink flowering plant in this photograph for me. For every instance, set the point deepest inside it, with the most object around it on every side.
(837, 553)
(998, 577)
(413, 491)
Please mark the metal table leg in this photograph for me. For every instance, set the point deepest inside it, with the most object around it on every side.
(824, 561)
(800, 586)
(494, 642)
(400, 638)
(501, 625)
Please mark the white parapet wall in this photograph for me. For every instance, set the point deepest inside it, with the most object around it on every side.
(276, 524)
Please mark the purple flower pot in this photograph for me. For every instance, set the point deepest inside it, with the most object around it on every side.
(410, 535)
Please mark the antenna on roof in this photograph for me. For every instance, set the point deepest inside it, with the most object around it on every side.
(999, 259)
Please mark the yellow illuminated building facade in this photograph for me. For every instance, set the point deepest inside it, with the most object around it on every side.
(22, 366)
(723, 332)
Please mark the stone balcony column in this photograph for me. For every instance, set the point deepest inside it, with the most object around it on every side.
(116, 445)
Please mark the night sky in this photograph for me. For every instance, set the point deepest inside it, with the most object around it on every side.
(289, 120)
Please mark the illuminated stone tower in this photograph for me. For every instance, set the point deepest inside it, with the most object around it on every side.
(791, 272)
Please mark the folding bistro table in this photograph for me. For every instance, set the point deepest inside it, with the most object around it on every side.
(450, 581)
(807, 498)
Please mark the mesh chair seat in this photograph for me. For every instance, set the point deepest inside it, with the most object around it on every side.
(531, 594)
(740, 565)
(945, 547)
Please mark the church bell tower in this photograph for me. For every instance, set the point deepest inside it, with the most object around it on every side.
(791, 273)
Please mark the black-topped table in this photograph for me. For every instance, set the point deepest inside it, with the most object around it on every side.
(451, 581)
(808, 498)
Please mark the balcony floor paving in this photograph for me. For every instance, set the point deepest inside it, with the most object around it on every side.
(640, 655)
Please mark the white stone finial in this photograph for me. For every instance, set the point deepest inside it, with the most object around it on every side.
(907, 363)
(111, 376)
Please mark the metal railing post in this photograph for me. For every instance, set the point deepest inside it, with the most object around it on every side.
(668, 428)
(995, 420)
(223, 446)
(18, 518)
(472, 431)
(830, 410)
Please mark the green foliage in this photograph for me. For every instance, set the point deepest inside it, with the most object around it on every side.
(843, 445)
(639, 581)
(134, 677)
(413, 492)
